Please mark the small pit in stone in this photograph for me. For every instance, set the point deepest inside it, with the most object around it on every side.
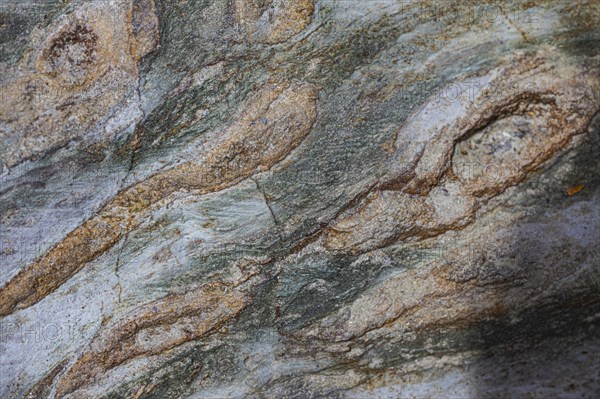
(500, 149)
(72, 52)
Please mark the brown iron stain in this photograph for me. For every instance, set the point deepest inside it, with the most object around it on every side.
(562, 107)
(575, 189)
(159, 326)
(275, 121)
(77, 35)
(272, 21)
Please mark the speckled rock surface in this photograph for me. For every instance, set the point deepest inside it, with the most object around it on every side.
(299, 199)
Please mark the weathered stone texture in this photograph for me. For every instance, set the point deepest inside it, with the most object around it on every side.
(299, 199)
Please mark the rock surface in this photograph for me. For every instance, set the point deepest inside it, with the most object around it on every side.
(299, 199)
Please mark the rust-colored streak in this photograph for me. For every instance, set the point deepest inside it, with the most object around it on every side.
(276, 120)
(155, 328)
(272, 21)
(441, 195)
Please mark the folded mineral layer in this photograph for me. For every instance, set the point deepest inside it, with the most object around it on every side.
(218, 199)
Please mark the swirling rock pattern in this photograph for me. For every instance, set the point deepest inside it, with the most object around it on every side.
(299, 199)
